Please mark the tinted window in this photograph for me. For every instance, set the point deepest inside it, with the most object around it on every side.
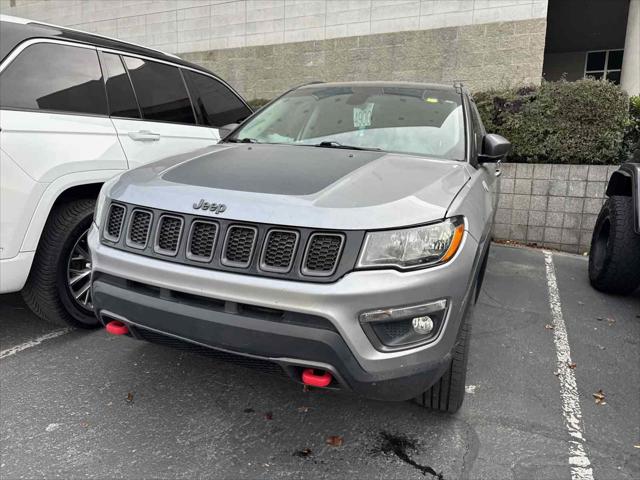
(160, 90)
(122, 102)
(47, 76)
(215, 104)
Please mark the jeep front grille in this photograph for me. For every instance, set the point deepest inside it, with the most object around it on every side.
(168, 235)
(114, 222)
(139, 224)
(238, 246)
(279, 250)
(322, 254)
(202, 240)
(293, 253)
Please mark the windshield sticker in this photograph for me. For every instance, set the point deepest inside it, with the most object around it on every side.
(362, 116)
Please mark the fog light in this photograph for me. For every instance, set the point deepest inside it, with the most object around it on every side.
(422, 325)
(404, 327)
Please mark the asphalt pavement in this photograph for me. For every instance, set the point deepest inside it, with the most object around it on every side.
(77, 404)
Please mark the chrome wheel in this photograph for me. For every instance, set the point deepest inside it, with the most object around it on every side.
(79, 273)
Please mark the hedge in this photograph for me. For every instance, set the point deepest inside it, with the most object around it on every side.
(582, 122)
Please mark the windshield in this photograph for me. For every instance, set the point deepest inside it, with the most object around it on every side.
(409, 120)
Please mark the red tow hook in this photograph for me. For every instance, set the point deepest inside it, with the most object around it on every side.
(309, 377)
(116, 327)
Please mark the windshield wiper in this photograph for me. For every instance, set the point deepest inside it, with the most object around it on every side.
(334, 144)
(244, 140)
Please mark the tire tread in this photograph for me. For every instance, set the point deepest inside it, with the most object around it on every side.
(41, 289)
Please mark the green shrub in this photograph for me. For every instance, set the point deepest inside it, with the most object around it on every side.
(559, 122)
(631, 141)
(258, 103)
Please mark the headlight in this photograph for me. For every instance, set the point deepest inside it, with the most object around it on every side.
(413, 247)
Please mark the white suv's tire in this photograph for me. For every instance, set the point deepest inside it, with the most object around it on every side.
(55, 273)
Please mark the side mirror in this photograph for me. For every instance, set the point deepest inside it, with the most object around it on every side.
(226, 130)
(494, 148)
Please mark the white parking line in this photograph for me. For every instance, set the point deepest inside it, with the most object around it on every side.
(578, 459)
(32, 343)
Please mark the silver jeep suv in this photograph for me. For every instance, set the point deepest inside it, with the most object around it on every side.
(338, 236)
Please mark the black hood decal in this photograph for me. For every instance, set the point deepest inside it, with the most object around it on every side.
(273, 169)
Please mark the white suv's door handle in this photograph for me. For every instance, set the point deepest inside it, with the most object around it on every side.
(144, 136)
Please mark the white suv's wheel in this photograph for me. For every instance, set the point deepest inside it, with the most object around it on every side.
(58, 288)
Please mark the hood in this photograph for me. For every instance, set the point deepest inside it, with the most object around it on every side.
(299, 186)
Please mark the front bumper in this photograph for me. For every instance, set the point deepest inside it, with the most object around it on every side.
(184, 302)
(14, 272)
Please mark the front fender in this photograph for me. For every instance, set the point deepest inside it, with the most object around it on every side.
(49, 197)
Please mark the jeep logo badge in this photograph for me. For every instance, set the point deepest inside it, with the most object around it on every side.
(216, 208)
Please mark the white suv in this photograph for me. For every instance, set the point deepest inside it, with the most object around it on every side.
(76, 109)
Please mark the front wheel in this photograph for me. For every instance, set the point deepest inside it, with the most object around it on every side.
(447, 394)
(59, 285)
(614, 258)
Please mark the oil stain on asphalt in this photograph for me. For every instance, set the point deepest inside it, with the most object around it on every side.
(400, 446)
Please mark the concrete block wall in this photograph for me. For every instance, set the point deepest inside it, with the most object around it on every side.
(481, 56)
(180, 26)
(554, 206)
(263, 47)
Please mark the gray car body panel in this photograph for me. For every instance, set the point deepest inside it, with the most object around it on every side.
(363, 191)
(383, 191)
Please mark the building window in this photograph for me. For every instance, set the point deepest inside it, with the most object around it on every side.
(604, 64)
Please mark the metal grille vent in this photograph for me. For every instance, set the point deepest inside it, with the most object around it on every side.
(139, 229)
(202, 241)
(323, 252)
(279, 249)
(114, 224)
(168, 235)
(239, 245)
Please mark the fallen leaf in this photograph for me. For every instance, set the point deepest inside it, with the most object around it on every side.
(549, 326)
(268, 416)
(304, 409)
(571, 365)
(130, 397)
(334, 441)
(304, 453)
(306, 388)
(52, 426)
(599, 397)
(611, 321)
(599, 319)
(84, 424)
(248, 410)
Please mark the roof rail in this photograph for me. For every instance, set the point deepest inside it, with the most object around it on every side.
(312, 82)
(26, 21)
(459, 86)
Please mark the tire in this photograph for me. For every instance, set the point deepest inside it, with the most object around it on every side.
(447, 394)
(47, 291)
(614, 257)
